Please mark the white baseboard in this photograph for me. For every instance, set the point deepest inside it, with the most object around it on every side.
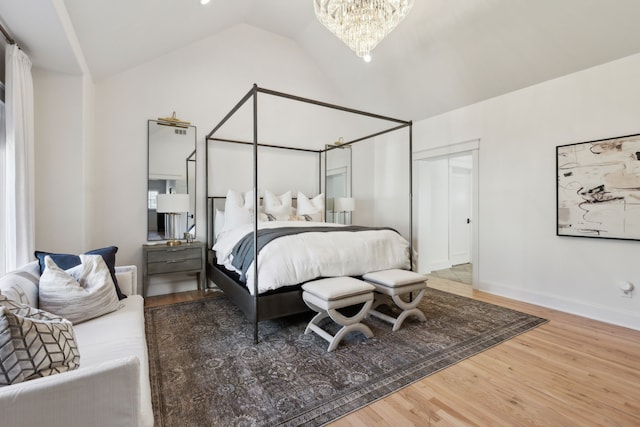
(438, 265)
(616, 316)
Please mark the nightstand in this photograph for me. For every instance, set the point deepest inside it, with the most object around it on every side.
(163, 259)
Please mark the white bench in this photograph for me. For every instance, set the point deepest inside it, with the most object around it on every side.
(396, 283)
(326, 296)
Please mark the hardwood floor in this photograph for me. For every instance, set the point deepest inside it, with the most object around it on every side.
(571, 371)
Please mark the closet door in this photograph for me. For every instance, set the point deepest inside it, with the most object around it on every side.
(460, 208)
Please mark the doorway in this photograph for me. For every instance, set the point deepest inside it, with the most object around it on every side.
(447, 213)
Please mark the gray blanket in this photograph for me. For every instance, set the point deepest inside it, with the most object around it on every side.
(242, 252)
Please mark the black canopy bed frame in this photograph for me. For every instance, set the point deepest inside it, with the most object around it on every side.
(288, 300)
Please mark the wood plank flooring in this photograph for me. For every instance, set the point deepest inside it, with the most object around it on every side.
(571, 371)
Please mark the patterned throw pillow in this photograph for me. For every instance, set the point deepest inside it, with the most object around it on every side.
(79, 293)
(67, 261)
(34, 343)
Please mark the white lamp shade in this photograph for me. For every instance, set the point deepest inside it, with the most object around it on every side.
(172, 203)
(345, 204)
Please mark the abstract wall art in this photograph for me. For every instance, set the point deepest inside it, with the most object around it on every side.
(598, 188)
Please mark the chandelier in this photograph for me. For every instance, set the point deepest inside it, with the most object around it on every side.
(361, 24)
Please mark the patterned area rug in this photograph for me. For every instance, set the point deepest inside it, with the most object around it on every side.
(206, 371)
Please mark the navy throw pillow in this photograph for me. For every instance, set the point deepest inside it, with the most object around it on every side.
(67, 261)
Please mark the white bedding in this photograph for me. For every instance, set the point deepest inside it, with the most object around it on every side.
(302, 257)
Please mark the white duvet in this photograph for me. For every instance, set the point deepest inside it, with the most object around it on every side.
(303, 257)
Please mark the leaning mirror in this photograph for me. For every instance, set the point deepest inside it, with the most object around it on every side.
(338, 183)
(172, 172)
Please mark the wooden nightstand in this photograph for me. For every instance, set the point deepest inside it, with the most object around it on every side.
(163, 259)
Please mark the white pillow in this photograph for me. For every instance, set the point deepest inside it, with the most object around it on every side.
(238, 210)
(244, 200)
(235, 212)
(310, 210)
(81, 293)
(218, 222)
(278, 206)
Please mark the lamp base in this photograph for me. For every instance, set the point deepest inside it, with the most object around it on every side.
(174, 243)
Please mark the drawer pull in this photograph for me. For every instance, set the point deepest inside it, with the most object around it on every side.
(176, 250)
(174, 261)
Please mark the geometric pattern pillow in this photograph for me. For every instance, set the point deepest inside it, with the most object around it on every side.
(80, 293)
(34, 343)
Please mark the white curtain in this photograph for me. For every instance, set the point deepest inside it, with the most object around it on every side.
(18, 200)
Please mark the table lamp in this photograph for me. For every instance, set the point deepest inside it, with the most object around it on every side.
(173, 205)
(344, 205)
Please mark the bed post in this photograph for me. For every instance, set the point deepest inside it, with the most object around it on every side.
(320, 176)
(255, 214)
(411, 195)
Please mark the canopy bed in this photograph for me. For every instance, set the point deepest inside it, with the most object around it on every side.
(301, 247)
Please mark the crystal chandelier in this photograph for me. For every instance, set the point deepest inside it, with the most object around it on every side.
(361, 24)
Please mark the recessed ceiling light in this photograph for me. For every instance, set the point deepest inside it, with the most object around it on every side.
(204, 1)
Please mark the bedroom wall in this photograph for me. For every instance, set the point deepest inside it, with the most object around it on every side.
(391, 181)
(520, 255)
(201, 83)
(59, 161)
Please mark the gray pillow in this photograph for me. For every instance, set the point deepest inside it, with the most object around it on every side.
(34, 343)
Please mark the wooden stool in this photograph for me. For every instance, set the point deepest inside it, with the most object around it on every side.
(395, 283)
(327, 295)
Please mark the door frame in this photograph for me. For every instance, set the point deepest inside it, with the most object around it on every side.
(453, 150)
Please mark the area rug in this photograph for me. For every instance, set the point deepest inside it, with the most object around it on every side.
(206, 371)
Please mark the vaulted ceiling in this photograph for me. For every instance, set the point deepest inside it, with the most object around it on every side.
(446, 54)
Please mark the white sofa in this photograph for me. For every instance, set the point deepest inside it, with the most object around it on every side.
(110, 388)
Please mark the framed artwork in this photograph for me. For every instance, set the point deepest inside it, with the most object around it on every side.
(598, 188)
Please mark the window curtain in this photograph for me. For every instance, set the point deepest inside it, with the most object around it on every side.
(17, 154)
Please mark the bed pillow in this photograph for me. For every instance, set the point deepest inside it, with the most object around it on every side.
(244, 200)
(278, 206)
(218, 223)
(310, 210)
(66, 261)
(238, 210)
(34, 343)
(80, 293)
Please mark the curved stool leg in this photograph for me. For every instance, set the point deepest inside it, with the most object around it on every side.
(406, 313)
(359, 327)
(408, 305)
(409, 308)
(344, 320)
(316, 319)
(349, 324)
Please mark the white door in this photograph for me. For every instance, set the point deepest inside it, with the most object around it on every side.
(460, 208)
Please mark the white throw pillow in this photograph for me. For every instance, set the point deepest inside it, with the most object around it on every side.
(34, 343)
(80, 293)
(238, 210)
(218, 222)
(310, 210)
(278, 206)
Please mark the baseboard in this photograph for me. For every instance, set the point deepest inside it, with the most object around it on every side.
(439, 265)
(615, 316)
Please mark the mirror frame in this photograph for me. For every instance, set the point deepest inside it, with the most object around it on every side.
(190, 178)
(343, 168)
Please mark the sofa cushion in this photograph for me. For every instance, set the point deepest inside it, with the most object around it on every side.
(21, 285)
(67, 261)
(34, 343)
(116, 335)
(79, 293)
